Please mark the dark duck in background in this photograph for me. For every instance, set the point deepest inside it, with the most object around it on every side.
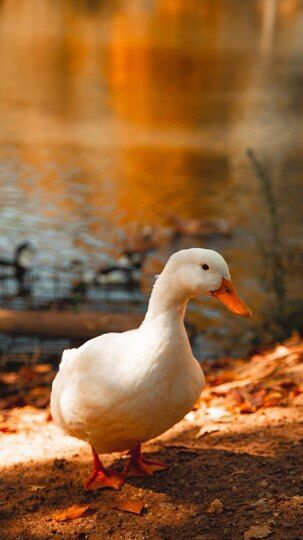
(21, 265)
(126, 272)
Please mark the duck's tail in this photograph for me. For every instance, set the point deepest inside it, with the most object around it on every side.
(66, 356)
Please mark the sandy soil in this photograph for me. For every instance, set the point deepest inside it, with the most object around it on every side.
(244, 454)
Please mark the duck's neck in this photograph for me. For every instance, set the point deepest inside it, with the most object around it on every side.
(166, 300)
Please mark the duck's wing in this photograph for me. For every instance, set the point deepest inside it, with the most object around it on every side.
(99, 357)
(90, 380)
(67, 355)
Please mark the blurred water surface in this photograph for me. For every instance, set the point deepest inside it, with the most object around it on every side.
(120, 114)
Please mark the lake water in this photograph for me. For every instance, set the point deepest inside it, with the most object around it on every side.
(119, 115)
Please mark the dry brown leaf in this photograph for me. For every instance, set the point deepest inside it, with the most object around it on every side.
(298, 499)
(9, 378)
(135, 506)
(4, 428)
(27, 375)
(48, 417)
(198, 404)
(297, 391)
(191, 417)
(257, 397)
(235, 397)
(215, 507)
(39, 397)
(257, 531)
(288, 384)
(73, 512)
(43, 368)
(273, 398)
(35, 487)
(207, 429)
(11, 401)
(217, 413)
(247, 409)
(224, 377)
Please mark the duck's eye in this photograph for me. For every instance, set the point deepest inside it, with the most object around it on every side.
(228, 290)
(205, 266)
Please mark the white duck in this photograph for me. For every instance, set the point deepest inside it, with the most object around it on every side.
(121, 389)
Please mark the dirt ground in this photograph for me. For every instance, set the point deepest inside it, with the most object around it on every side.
(235, 466)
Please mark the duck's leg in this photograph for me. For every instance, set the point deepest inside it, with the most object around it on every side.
(102, 477)
(139, 465)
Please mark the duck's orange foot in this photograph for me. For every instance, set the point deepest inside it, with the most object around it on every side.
(141, 466)
(102, 477)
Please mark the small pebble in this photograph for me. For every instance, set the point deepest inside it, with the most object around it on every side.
(215, 507)
(263, 483)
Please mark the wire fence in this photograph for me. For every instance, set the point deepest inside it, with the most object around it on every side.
(56, 290)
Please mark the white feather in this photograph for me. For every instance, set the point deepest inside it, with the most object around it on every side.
(67, 354)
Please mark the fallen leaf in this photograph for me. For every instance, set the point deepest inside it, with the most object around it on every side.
(48, 417)
(288, 384)
(221, 378)
(207, 429)
(190, 417)
(257, 397)
(43, 368)
(298, 499)
(216, 413)
(257, 531)
(9, 378)
(279, 352)
(273, 398)
(11, 401)
(7, 429)
(39, 397)
(298, 390)
(35, 487)
(27, 374)
(234, 397)
(198, 404)
(247, 409)
(135, 506)
(215, 507)
(73, 512)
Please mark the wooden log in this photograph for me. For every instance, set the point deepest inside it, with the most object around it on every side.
(81, 325)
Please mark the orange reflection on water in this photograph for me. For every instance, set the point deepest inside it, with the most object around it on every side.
(116, 115)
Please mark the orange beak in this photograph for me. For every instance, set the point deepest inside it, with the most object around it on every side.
(226, 293)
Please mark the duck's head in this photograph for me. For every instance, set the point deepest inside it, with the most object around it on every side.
(24, 255)
(204, 272)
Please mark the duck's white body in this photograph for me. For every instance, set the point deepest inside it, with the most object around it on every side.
(119, 390)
